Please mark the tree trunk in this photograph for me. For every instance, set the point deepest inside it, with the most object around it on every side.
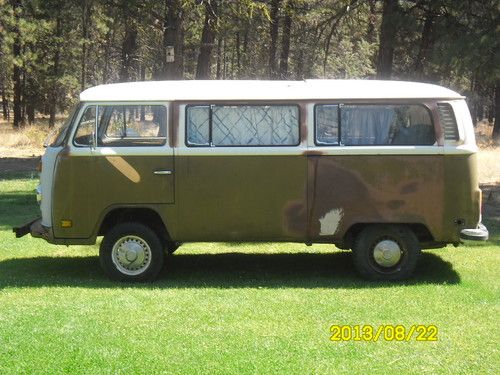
(233, 62)
(244, 51)
(372, 26)
(285, 40)
(388, 31)
(129, 50)
(496, 127)
(86, 18)
(30, 96)
(16, 73)
(238, 55)
(372, 20)
(218, 69)
(55, 73)
(5, 104)
(299, 55)
(172, 41)
(273, 34)
(480, 110)
(143, 72)
(107, 52)
(426, 44)
(113, 16)
(491, 113)
(224, 58)
(143, 78)
(23, 94)
(207, 40)
(30, 111)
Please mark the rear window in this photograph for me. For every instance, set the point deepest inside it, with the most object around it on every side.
(373, 125)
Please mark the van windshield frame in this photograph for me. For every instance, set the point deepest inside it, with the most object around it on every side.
(57, 139)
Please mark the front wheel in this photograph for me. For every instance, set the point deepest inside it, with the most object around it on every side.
(386, 252)
(131, 252)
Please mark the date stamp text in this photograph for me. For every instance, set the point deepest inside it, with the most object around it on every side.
(388, 332)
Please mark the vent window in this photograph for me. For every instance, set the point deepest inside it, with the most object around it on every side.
(448, 122)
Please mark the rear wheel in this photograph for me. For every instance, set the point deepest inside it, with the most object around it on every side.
(386, 252)
(131, 252)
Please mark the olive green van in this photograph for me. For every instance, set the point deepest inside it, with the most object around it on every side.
(380, 167)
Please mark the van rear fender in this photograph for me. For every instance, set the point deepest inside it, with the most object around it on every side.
(420, 230)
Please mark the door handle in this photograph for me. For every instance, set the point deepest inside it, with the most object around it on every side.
(163, 172)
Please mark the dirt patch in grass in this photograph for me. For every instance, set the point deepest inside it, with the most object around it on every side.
(28, 164)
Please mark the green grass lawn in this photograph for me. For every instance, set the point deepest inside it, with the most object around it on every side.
(237, 308)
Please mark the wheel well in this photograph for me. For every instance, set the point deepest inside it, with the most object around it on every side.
(146, 216)
(421, 231)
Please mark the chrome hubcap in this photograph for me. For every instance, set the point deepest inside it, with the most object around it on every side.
(387, 253)
(131, 255)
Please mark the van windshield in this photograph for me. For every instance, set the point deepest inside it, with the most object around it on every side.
(57, 136)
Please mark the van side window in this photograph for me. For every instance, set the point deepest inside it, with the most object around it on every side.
(242, 125)
(327, 124)
(132, 125)
(375, 124)
(197, 125)
(86, 127)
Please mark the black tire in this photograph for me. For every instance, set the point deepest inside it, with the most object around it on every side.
(131, 239)
(396, 246)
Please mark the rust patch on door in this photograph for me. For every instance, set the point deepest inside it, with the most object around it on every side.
(373, 189)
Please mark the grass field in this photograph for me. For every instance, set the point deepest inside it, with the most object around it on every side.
(221, 308)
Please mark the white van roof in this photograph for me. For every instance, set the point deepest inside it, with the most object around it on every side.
(265, 90)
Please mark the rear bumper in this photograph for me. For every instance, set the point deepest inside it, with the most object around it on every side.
(477, 234)
(36, 229)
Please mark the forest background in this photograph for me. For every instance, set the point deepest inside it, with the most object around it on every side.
(50, 50)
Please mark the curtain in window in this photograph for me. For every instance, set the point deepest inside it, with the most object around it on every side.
(366, 125)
